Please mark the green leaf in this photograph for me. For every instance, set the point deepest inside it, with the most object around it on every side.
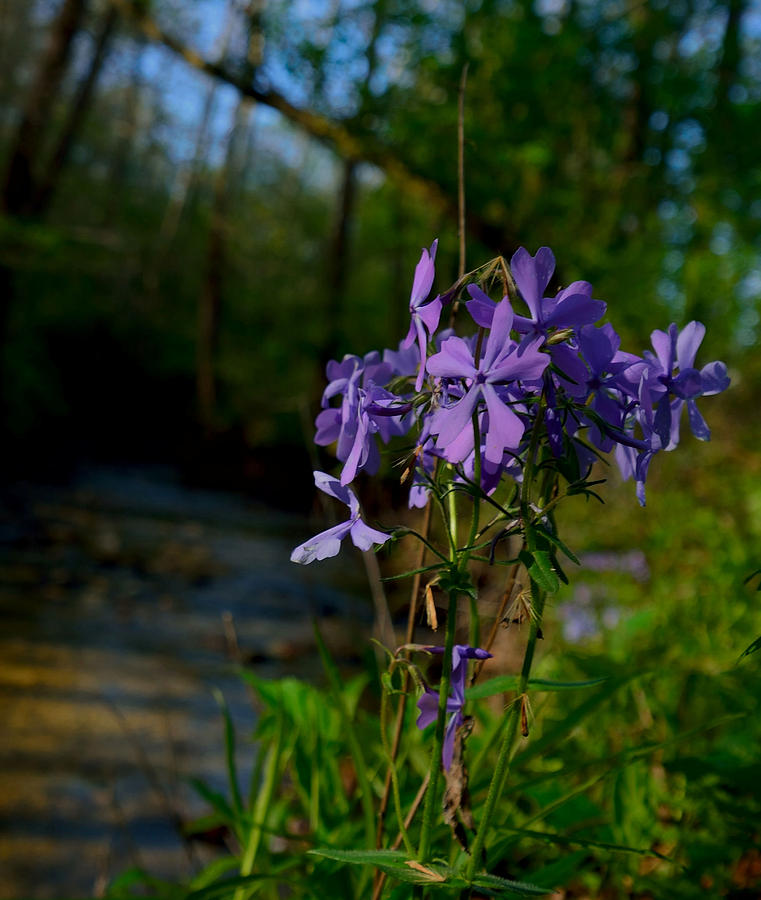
(411, 572)
(232, 772)
(355, 747)
(502, 683)
(209, 874)
(539, 566)
(751, 648)
(554, 539)
(397, 864)
(505, 887)
(452, 580)
(560, 871)
(564, 841)
(216, 800)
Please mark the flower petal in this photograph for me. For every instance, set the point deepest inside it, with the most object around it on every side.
(481, 307)
(532, 275)
(454, 360)
(447, 751)
(688, 342)
(499, 336)
(714, 377)
(330, 485)
(364, 537)
(505, 427)
(322, 545)
(450, 422)
(697, 423)
(424, 272)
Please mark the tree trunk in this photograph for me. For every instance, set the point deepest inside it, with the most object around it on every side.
(19, 187)
(337, 259)
(210, 299)
(77, 112)
(338, 253)
(126, 129)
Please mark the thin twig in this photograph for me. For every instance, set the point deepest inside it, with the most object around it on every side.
(410, 633)
(460, 183)
(461, 167)
(506, 597)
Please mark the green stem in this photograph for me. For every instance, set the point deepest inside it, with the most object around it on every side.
(511, 729)
(452, 504)
(429, 810)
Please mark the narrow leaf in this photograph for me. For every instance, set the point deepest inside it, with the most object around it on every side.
(563, 841)
(395, 863)
(501, 683)
(756, 645)
(495, 886)
(232, 771)
(554, 539)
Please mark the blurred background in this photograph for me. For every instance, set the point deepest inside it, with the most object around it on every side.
(201, 203)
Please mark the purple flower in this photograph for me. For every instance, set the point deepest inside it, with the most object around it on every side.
(675, 350)
(571, 308)
(503, 361)
(425, 316)
(630, 461)
(606, 380)
(428, 704)
(328, 543)
(366, 410)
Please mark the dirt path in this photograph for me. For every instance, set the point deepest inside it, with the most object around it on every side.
(113, 599)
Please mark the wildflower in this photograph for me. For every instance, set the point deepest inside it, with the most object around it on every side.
(424, 316)
(504, 360)
(328, 543)
(675, 350)
(366, 410)
(428, 704)
(571, 308)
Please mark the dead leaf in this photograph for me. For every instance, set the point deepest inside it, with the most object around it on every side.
(429, 873)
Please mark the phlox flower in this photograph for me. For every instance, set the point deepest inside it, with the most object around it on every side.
(676, 350)
(571, 308)
(424, 316)
(428, 704)
(366, 410)
(328, 543)
(503, 361)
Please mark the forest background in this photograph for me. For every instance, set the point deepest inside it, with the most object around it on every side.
(203, 202)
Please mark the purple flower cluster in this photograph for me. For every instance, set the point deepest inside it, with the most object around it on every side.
(554, 367)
